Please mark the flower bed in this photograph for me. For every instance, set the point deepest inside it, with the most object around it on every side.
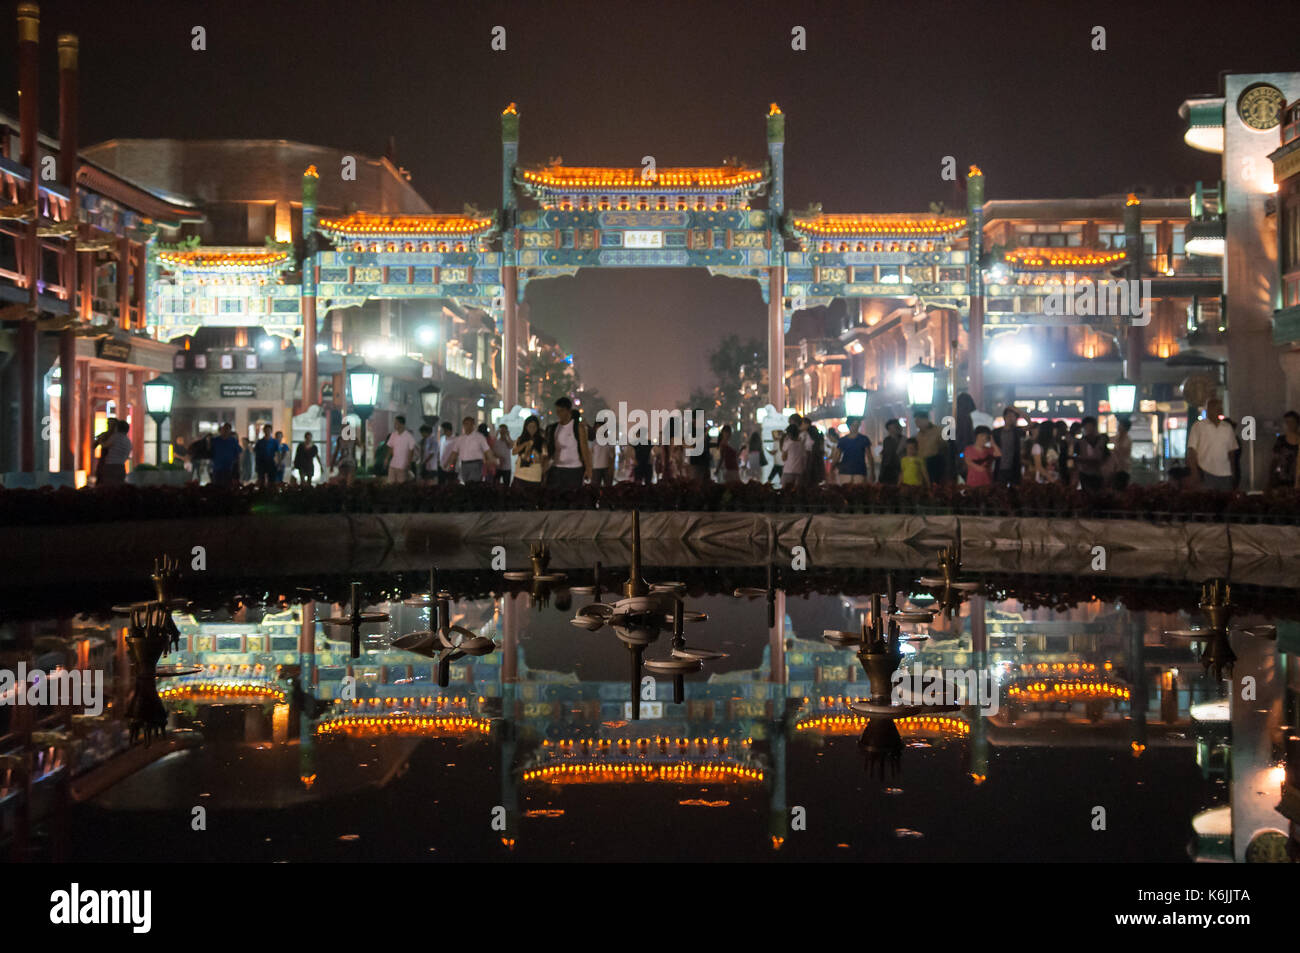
(1160, 503)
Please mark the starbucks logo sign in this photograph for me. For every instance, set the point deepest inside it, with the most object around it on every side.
(1260, 106)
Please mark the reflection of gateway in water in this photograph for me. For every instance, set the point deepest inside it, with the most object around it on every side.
(748, 716)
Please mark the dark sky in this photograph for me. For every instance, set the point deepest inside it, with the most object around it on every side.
(883, 92)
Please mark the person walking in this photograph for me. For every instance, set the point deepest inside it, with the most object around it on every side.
(981, 457)
(700, 456)
(643, 467)
(963, 411)
(602, 459)
(345, 453)
(446, 447)
(814, 469)
(246, 460)
(892, 450)
(1283, 471)
(115, 450)
(1210, 446)
(472, 451)
(730, 458)
(567, 447)
(932, 446)
(100, 442)
(489, 459)
(852, 457)
(913, 470)
(225, 458)
(305, 459)
(264, 453)
(1008, 439)
(501, 448)
(1121, 455)
(201, 459)
(755, 459)
(778, 458)
(530, 449)
(1090, 453)
(428, 453)
(281, 456)
(1068, 436)
(402, 449)
(794, 452)
(1046, 457)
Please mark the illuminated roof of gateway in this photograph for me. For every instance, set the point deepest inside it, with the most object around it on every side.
(569, 179)
(1039, 257)
(918, 726)
(223, 259)
(657, 759)
(676, 773)
(223, 688)
(852, 226)
(365, 224)
(403, 723)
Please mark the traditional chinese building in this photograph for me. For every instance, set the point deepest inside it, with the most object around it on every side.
(74, 240)
(230, 291)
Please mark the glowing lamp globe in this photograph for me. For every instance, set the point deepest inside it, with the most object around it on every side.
(1122, 396)
(430, 400)
(855, 401)
(364, 382)
(158, 394)
(920, 385)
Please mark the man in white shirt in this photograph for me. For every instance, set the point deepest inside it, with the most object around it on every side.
(471, 449)
(446, 447)
(402, 448)
(1210, 446)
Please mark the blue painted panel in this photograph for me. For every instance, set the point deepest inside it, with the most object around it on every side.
(654, 258)
(333, 274)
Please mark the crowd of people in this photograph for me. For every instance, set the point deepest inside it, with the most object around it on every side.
(566, 452)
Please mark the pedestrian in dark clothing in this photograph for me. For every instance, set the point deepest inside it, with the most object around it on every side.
(891, 452)
(1009, 440)
(305, 459)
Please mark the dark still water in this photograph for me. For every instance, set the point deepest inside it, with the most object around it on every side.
(1091, 734)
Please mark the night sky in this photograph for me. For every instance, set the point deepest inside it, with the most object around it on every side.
(883, 92)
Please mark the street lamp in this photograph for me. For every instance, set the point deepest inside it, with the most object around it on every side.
(1122, 396)
(920, 386)
(158, 394)
(363, 380)
(855, 401)
(430, 402)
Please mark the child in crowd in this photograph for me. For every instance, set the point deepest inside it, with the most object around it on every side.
(913, 472)
(981, 456)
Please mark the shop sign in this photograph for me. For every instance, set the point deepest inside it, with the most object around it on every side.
(108, 349)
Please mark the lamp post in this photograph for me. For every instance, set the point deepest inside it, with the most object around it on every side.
(1122, 396)
(855, 401)
(920, 387)
(430, 402)
(363, 381)
(158, 394)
